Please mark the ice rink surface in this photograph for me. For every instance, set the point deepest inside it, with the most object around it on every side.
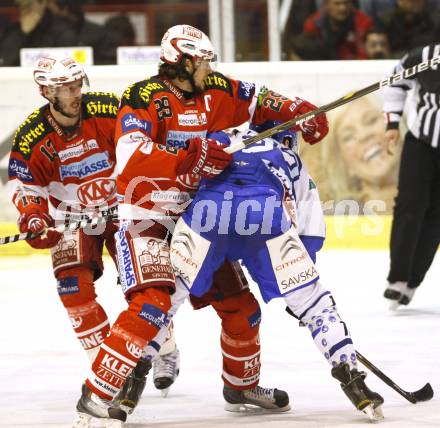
(42, 366)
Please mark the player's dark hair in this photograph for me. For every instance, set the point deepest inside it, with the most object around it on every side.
(174, 71)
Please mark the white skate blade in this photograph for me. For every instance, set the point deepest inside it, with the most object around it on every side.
(86, 421)
(127, 409)
(374, 414)
(250, 408)
(164, 392)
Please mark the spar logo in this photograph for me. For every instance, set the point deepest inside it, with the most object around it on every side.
(96, 191)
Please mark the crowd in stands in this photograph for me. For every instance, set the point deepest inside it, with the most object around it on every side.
(58, 23)
(315, 29)
(362, 29)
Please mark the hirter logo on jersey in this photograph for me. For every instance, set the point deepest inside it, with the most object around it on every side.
(96, 192)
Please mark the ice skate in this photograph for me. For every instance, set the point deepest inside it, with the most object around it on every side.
(399, 294)
(271, 399)
(353, 385)
(165, 371)
(94, 412)
(130, 394)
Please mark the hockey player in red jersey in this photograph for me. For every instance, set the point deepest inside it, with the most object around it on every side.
(62, 167)
(162, 152)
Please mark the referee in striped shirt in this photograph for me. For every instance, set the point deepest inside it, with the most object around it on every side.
(415, 233)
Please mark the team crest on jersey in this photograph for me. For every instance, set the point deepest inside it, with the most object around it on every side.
(96, 192)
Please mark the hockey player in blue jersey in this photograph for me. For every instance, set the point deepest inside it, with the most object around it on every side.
(264, 210)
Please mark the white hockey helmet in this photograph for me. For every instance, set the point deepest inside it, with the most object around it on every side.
(54, 72)
(185, 39)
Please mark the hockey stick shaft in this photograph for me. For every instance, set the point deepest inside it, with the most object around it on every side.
(351, 96)
(424, 394)
(62, 228)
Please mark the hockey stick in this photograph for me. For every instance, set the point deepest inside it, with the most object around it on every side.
(351, 96)
(61, 228)
(423, 394)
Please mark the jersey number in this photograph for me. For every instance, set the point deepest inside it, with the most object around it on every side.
(163, 108)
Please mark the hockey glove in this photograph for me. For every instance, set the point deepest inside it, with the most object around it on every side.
(314, 130)
(205, 157)
(37, 222)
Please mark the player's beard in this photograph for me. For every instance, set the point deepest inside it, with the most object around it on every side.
(197, 89)
(60, 107)
(198, 78)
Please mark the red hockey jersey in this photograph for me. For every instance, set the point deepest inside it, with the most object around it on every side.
(155, 120)
(75, 171)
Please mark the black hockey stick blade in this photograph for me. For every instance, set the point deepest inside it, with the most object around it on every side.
(423, 394)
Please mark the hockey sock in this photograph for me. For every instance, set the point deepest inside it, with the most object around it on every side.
(315, 307)
(121, 350)
(88, 318)
(240, 342)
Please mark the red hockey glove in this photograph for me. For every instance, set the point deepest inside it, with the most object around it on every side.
(314, 130)
(37, 221)
(205, 157)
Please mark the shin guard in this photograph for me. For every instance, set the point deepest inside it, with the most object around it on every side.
(241, 316)
(89, 320)
(315, 307)
(122, 349)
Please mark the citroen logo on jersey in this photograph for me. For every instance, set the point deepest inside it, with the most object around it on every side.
(186, 240)
(289, 245)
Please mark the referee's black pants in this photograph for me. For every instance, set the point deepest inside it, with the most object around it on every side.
(415, 231)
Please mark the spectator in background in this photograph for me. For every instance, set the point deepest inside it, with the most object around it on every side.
(337, 30)
(4, 23)
(376, 9)
(410, 24)
(300, 10)
(377, 44)
(87, 33)
(37, 27)
(122, 29)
